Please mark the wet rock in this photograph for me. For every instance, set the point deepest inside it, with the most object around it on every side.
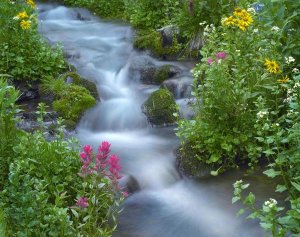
(27, 92)
(160, 107)
(188, 165)
(129, 184)
(180, 87)
(168, 33)
(157, 74)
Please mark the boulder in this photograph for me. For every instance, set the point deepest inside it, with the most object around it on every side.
(156, 75)
(168, 34)
(27, 92)
(160, 107)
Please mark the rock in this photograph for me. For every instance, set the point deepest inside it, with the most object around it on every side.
(155, 75)
(168, 33)
(27, 92)
(129, 184)
(180, 87)
(188, 165)
(160, 107)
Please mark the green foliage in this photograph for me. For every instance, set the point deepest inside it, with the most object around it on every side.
(73, 101)
(148, 14)
(9, 133)
(40, 182)
(160, 107)
(23, 53)
(285, 15)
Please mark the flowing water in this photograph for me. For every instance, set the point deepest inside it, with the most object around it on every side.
(166, 205)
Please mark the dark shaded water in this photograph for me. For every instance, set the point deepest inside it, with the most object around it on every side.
(167, 206)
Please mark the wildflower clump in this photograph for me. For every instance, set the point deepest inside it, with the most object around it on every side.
(272, 66)
(240, 18)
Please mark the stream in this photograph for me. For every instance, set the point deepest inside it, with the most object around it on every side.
(166, 204)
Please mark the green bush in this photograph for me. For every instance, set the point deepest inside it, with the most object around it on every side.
(23, 52)
(160, 107)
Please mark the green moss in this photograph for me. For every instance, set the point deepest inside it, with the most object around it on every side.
(152, 40)
(73, 102)
(160, 107)
(162, 74)
(78, 80)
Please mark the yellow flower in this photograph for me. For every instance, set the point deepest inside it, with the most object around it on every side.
(22, 15)
(25, 25)
(229, 21)
(31, 3)
(283, 80)
(272, 66)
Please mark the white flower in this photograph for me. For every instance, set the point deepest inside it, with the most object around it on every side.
(202, 23)
(271, 203)
(289, 60)
(297, 84)
(295, 70)
(16, 18)
(262, 114)
(255, 31)
(251, 10)
(275, 28)
(237, 183)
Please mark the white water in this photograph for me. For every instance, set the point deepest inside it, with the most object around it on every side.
(167, 206)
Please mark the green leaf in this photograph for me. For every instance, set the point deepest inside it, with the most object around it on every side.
(250, 199)
(235, 199)
(271, 173)
(280, 188)
(241, 211)
(296, 185)
(75, 213)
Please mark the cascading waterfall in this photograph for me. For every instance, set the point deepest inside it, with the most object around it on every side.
(166, 205)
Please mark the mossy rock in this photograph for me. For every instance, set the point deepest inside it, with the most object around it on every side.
(153, 41)
(78, 80)
(160, 107)
(157, 75)
(73, 102)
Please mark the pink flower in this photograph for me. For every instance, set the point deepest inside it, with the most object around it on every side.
(220, 55)
(114, 168)
(82, 202)
(87, 149)
(125, 194)
(105, 147)
(210, 61)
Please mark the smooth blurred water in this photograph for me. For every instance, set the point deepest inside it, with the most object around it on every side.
(166, 206)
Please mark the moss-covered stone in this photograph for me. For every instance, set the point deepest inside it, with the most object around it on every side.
(153, 41)
(78, 80)
(73, 102)
(162, 74)
(160, 107)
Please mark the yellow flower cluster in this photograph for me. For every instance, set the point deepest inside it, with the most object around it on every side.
(272, 66)
(31, 3)
(25, 23)
(241, 18)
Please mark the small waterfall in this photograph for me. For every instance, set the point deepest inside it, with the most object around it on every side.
(166, 205)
